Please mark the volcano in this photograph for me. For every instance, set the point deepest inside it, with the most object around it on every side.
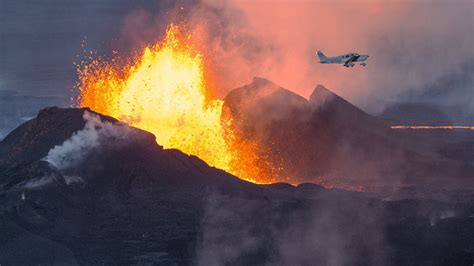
(328, 140)
(78, 187)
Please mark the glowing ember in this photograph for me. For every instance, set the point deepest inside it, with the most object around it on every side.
(433, 127)
(164, 91)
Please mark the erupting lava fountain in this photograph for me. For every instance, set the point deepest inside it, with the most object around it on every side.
(165, 91)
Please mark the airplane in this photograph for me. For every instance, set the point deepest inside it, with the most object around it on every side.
(346, 59)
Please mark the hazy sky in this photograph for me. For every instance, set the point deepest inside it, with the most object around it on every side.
(412, 44)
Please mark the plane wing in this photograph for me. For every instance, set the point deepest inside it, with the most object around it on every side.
(349, 61)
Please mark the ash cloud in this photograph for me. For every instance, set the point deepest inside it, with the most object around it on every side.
(74, 150)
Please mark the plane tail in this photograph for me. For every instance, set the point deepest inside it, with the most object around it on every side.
(321, 56)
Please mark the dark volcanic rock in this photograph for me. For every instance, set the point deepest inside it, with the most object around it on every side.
(341, 112)
(121, 188)
(330, 141)
(126, 200)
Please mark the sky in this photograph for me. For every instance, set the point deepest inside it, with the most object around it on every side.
(415, 47)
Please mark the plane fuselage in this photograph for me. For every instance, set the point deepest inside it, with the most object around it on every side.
(345, 59)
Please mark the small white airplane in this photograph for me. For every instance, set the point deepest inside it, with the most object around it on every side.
(346, 59)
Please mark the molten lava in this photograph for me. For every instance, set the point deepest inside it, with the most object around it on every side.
(165, 91)
(432, 127)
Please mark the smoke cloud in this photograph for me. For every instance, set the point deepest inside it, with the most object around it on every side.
(74, 150)
(333, 230)
(412, 45)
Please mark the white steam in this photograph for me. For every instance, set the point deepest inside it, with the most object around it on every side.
(69, 180)
(75, 149)
(39, 182)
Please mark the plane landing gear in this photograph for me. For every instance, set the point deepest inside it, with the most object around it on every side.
(363, 64)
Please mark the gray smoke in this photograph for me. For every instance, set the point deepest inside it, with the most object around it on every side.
(332, 230)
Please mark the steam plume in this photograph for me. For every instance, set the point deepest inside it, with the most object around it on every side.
(75, 149)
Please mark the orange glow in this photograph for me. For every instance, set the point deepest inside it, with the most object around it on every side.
(432, 127)
(165, 91)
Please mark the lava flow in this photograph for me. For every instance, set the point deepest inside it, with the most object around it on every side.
(432, 127)
(165, 91)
